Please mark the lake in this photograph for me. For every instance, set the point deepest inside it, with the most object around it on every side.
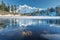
(28, 29)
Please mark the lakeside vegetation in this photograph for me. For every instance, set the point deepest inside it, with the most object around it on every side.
(5, 9)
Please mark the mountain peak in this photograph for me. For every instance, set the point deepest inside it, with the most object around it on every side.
(27, 9)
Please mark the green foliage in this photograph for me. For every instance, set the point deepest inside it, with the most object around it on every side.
(12, 8)
(7, 8)
(0, 7)
(3, 6)
(15, 8)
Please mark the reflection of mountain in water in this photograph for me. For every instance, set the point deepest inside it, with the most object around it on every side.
(27, 29)
(26, 22)
(16, 32)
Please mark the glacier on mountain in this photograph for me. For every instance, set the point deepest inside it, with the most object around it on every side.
(27, 9)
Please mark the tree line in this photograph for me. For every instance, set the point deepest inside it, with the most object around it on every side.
(3, 7)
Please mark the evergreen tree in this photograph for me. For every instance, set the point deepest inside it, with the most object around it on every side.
(15, 8)
(0, 7)
(57, 11)
(12, 8)
(3, 6)
(8, 8)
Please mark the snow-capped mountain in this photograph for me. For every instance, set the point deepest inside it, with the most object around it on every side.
(27, 9)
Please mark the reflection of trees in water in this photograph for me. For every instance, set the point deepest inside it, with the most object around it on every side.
(58, 21)
(3, 25)
(28, 35)
(5, 22)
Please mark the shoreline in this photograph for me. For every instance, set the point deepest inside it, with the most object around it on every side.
(29, 17)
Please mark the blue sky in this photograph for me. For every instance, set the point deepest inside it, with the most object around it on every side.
(34, 3)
